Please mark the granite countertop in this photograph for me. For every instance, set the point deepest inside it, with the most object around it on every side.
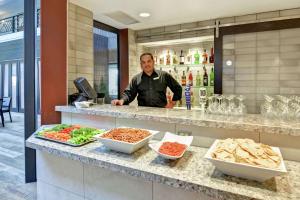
(192, 172)
(249, 122)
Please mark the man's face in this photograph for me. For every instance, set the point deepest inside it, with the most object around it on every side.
(147, 64)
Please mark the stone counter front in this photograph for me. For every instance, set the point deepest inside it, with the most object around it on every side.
(92, 170)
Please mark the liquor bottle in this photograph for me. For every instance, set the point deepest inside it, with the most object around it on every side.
(181, 58)
(191, 78)
(175, 59)
(205, 77)
(168, 58)
(192, 99)
(204, 57)
(212, 56)
(155, 58)
(169, 97)
(212, 77)
(161, 60)
(189, 58)
(187, 93)
(198, 79)
(196, 58)
(183, 79)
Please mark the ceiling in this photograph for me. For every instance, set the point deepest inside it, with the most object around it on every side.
(168, 12)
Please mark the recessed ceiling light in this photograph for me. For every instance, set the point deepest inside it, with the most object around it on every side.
(144, 14)
(228, 62)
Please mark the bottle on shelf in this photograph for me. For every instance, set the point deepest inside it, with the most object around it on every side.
(189, 58)
(191, 78)
(155, 58)
(204, 57)
(175, 59)
(205, 77)
(196, 58)
(198, 79)
(161, 60)
(183, 79)
(212, 77)
(187, 94)
(192, 99)
(181, 58)
(169, 97)
(168, 58)
(212, 56)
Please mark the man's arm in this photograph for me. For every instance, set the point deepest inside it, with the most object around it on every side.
(130, 92)
(175, 87)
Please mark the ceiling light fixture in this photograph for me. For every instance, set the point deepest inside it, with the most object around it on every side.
(144, 14)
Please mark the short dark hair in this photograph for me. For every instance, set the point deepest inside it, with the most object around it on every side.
(146, 54)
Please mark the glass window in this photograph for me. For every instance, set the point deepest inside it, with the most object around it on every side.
(22, 84)
(106, 66)
(6, 80)
(14, 84)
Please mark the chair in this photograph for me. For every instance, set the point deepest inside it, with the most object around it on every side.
(1, 113)
(6, 106)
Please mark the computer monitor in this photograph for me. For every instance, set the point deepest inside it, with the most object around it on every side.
(85, 88)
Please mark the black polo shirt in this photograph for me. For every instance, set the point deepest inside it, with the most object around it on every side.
(151, 90)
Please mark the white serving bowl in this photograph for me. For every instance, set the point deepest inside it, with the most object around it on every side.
(124, 147)
(83, 104)
(170, 137)
(245, 170)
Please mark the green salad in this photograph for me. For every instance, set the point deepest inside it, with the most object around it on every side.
(72, 134)
(83, 135)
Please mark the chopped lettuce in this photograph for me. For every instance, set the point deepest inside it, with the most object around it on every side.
(83, 135)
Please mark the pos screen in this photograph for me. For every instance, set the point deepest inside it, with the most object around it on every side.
(85, 88)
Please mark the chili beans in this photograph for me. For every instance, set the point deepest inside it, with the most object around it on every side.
(130, 135)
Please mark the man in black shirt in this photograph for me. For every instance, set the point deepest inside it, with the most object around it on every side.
(150, 86)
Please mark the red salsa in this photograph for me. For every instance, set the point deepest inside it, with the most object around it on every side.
(172, 148)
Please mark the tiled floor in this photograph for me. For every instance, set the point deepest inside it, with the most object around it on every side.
(12, 186)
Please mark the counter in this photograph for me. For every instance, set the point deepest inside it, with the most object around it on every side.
(94, 172)
(205, 128)
(248, 122)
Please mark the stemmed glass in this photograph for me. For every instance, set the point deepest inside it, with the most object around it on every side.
(231, 105)
(220, 101)
(284, 105)
(267, 106)
(241, 108)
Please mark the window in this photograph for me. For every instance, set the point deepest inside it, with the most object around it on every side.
(106, 61)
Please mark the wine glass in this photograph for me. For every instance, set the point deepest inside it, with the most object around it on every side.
(242, 108)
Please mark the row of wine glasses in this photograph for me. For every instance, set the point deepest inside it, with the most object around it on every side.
(281, 107)
(226, 104)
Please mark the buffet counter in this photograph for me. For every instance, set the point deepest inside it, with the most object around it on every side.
(249, 122)
(94, 172)
(205, 128)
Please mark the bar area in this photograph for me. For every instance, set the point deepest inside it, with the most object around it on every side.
(229, 128)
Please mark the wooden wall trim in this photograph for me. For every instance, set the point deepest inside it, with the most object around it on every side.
(261, 26)
(124, 59)
(53, 59)
(218, 65)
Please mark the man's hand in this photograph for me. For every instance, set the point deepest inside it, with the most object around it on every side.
(171, 104)
(117, 102)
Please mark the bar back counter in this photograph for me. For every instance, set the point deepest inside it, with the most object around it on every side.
(94, 172)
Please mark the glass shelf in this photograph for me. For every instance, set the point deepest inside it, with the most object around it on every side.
(185, 65)
(197, 87)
